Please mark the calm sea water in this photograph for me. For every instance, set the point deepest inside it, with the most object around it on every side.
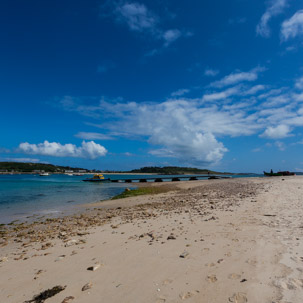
(22, 196)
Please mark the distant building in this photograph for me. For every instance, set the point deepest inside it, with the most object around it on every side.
(69, 171)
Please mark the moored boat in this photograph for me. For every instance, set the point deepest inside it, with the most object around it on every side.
(278, 174)
(97, 178)
(44, 174)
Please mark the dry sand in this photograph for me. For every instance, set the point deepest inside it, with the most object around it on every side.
(236, 240)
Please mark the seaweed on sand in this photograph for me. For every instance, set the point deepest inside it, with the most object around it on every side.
(46, 294)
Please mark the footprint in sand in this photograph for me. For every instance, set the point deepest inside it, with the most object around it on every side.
(252, 262)
(239, 297)
(234, 276)
(210, 264)
(185, 295)
(212, 279)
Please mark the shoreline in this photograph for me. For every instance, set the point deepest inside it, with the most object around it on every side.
(239, 238)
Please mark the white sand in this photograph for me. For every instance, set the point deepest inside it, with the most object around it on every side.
(250, 251)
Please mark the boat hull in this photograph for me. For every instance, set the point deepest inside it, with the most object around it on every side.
(279, 174)
(96, 180)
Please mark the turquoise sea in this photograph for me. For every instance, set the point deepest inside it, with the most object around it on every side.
(23, 196)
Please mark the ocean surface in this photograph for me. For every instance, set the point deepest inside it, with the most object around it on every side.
(24, 197)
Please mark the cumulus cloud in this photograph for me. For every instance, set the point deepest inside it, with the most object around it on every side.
(278, 132)
(193, 129)
(183, 129)
(238, 77)
(275, 8)
(292, 27)
(89, 150)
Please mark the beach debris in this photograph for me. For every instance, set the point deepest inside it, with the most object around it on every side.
(87, 286)
(243, 280)
(171, 237)
(71, 243)
(68, 299)
(40, 298)
(3, 259)
(239, 297)
(95, 267)
(60, 258)
(185, 254)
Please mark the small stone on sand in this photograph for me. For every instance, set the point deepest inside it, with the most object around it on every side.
(184, 254)
(95, 267)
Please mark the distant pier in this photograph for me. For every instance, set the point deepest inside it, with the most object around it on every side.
(168, 179)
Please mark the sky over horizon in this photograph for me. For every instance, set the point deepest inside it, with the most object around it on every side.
(120, 85)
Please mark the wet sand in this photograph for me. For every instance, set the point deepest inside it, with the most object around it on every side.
(233, 240)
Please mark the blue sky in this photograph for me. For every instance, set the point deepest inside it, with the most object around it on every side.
(124, 84)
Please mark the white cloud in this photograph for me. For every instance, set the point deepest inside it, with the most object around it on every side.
(93, 136)
(276, 7)
(89, 150)
(192, 129)
(278, 132)
(137, 16)
(170, 36)
(292, 27)
(211, 72)
(238, 77)
(141, 19)
(221, 95)
(299, 83)
(255, 89)
(280, 145)
(180, 92)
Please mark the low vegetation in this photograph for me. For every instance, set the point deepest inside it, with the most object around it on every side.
(143, 191)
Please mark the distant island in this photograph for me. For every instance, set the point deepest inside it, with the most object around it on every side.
(174, 170)
(21, 167)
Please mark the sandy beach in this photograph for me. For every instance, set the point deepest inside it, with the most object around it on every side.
(233, 240)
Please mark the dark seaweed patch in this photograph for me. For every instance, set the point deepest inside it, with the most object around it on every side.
(46, 294)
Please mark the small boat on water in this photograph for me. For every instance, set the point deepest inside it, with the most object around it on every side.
(44, 174)
(279, 173)
(97, 178)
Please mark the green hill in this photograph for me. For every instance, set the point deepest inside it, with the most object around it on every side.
(174, 170)
(32, 167)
